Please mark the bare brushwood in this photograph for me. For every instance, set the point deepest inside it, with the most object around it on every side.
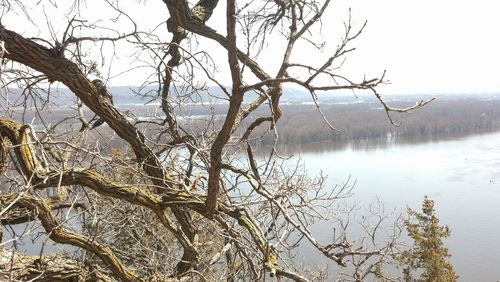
(166, 195)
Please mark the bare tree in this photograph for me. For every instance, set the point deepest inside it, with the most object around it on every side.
(162, 194)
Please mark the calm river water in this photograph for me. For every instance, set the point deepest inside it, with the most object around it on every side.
(461, 175)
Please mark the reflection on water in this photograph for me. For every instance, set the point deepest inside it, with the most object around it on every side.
(462, 175)
(363, 144)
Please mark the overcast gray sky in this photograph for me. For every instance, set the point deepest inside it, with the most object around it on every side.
(426, 46)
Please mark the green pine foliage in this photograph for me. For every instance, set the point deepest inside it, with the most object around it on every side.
(429, 256)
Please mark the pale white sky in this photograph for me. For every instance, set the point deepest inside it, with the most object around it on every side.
(432, 45)
(426, 46)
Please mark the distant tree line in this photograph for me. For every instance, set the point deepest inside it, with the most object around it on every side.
(451, 116)
(364, 121)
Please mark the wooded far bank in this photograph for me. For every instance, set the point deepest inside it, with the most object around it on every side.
(448, 116)
(361, 118)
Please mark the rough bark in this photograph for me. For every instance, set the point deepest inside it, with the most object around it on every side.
(257, 208)
(15, 266)
(58, 68)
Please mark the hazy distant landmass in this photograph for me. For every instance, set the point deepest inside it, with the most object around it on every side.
(357, 117)
(135, 95)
